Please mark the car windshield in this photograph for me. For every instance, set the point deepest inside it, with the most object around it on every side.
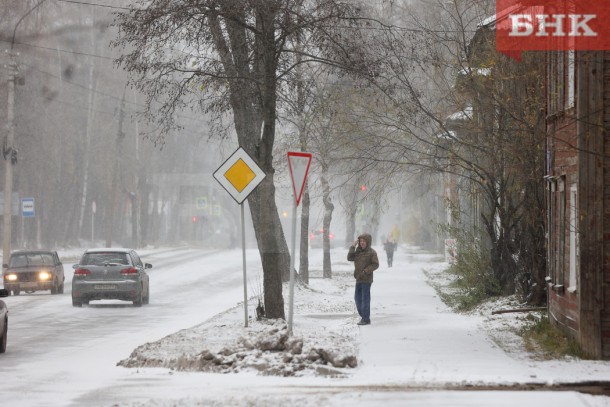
(100, 259)
(31, 259)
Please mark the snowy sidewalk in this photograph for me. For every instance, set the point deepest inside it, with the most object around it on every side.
(415, 339)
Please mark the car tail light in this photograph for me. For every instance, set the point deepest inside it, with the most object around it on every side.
(82, 272)
(130, 270)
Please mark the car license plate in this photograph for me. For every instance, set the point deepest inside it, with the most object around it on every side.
(104, 286)
(28, 285)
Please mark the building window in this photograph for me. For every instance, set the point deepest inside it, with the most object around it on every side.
(561, 75)
(561, 232)
(571, 81)
(550, 233)
(573, 238)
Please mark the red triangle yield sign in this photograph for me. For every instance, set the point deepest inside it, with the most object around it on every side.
(298, 163)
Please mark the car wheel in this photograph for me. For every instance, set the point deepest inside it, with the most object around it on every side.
(138, 301)
(15, 292)
(147, 297)
(54, 288)
(76, 303)
(4, 338)
(60, 289)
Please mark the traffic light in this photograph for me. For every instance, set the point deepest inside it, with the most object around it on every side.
(194, 219)
(363, 188)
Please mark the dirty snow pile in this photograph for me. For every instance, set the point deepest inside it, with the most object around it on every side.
(324, 340)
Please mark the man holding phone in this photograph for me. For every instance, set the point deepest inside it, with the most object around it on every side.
(365, 262)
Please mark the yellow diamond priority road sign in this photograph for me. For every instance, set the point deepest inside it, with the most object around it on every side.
(239, 175)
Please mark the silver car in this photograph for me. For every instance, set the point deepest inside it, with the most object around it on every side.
(110, 274)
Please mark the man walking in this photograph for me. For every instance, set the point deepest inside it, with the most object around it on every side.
(365, 262)
(389, 246)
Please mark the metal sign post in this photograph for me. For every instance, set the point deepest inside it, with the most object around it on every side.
(239, 175)
(298, 163)
(243, 256)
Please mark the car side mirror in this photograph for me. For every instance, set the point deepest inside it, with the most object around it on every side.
(147, 265)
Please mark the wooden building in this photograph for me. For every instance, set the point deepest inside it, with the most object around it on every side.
(578, 197)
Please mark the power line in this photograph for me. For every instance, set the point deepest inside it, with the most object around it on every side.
(95, 4)
(137, 105)
(59, 50)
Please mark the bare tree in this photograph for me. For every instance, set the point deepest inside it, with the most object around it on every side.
(453, 105)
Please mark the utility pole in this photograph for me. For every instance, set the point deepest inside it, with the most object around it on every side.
(10, 156)
(8, 150)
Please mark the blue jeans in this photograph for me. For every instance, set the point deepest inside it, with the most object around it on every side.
(363, 300)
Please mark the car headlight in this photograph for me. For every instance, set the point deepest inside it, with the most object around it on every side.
(44, 276)
(10, 277)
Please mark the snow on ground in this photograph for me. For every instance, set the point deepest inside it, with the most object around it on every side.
(324, 337)
(416, 352)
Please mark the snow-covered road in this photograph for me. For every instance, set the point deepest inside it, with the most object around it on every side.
(57, 352)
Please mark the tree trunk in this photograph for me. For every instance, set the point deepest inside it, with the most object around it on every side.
(253, 100)
(271, 245)
(350, 223)
(304, 250)
(93, 83)
(305, 202)
(143, 191)
(111, 224)
(373, 228)
(326, 220)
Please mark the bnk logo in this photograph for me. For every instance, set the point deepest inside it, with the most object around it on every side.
(552, 25)
(557, 25)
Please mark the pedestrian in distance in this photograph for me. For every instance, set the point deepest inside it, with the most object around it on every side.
(389, 246)
(365, 263)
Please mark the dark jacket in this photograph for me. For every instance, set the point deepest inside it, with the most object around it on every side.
(389, 246)
(365, 261)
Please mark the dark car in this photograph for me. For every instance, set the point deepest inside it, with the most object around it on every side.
(110, 274)
(34, 270)
(3, 321)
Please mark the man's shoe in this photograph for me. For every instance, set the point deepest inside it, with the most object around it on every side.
(363, 322)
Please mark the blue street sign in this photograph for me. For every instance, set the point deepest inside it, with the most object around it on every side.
(27, 207)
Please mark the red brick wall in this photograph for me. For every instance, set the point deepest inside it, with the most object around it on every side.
(605, 312)
(563, 304)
